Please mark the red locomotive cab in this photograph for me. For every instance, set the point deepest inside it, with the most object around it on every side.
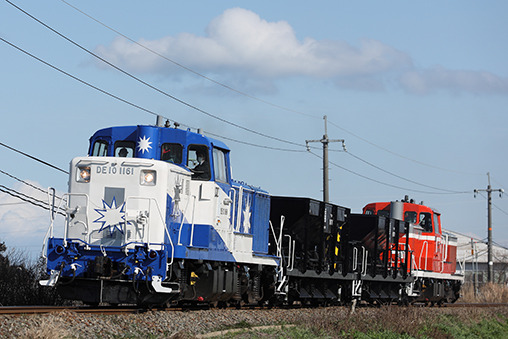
(430, 250)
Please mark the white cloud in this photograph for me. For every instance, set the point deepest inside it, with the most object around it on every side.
(240, 41)
(439, 78)
(23, 225)
(240, 44)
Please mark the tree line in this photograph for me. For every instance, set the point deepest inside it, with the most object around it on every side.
(19, 281)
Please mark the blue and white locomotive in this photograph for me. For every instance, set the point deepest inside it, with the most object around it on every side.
(153, 215)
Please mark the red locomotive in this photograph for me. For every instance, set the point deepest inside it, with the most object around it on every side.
(433, 253)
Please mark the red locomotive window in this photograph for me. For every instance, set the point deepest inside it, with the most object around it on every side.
(426, 221)
(410, 216)
(436, 222)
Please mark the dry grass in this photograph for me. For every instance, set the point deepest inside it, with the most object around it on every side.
(49, 328)
(413, 322)
(487, 293)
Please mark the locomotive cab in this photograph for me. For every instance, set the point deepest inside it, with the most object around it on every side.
(426, 241)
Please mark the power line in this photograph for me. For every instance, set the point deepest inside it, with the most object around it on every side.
(123, 100)
(28, 155)
(397, 154)
(405, 179)
(497, 207)
(187, 68)
(27, 198)
(153, 87)
(254, 145)
(378, 181)
(212, 80)
(24, 182)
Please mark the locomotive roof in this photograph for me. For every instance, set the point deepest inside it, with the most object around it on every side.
(387, 204)
(166, 134)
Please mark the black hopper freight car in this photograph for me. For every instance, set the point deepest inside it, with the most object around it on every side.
(330, 256)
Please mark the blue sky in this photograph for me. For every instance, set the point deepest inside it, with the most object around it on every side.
(418, 90)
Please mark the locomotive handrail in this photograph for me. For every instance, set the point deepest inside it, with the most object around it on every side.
(181, 224)
(166, 231)
(445, 245)
(291, 254)
(192, 222)
(364, 261)
(136, 164)
(66, 224)
(278, 240)
(49, 232)
(238, 220)
(426, 247)
(413, 261)
(355, 258)
(91, 162)
(232, 197)
(148, 230)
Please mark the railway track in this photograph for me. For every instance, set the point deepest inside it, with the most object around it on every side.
(20, 310)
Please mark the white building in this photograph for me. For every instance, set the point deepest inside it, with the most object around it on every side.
(472, 257)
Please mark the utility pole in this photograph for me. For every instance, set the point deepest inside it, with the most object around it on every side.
(489, 190)
(325, 141)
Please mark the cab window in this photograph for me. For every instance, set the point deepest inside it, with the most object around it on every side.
(436, 221)
(171, 152)
(124, 149)
(198, 162)
(425, 221)
(220, 165)
(383, 213)
(410, 217)
(100, 149)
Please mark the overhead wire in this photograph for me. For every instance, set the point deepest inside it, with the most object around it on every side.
(154, 87)
(117, 98)
(185, 67)
(403, 178)
(28, 199)
(235, 90)
(378, 181)
(28, 155)
(497, 207)
(23, 182)
(397, 154)
(243, 142)
(221, 84)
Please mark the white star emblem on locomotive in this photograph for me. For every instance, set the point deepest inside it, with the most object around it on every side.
(112, 217)
(144, 144)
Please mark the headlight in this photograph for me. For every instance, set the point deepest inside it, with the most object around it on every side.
(148, 178)
(83, 174)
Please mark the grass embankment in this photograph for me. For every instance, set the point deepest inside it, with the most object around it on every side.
(393, 322)
(402, 322)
